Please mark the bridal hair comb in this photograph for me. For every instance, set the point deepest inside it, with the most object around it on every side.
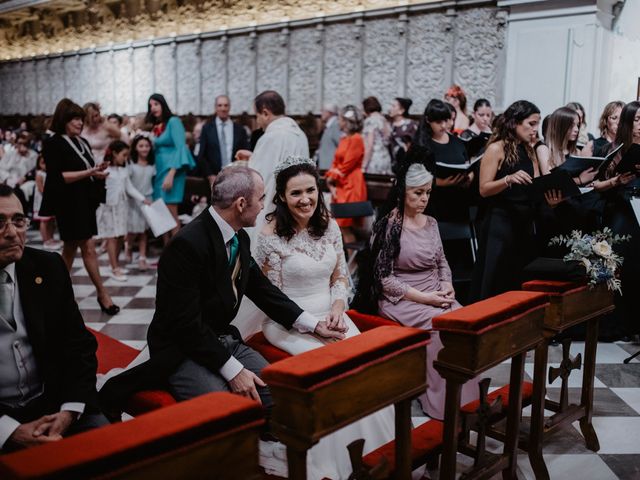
(292, 160)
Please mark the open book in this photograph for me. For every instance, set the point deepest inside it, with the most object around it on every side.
(475, 145)
(629, 160)
(574, 165)
(556, 180)
(444, 170)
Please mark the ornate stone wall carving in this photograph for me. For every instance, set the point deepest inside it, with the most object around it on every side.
(327, 60)
(272, 56)
(341, 59)
(188, 78)
(305, 69)
(30, 88)
(429, 45)
(241, 62)
(142, 78)
(123, 75)
(165, 73)
(42, 85)
(382, 60)
(480, 37)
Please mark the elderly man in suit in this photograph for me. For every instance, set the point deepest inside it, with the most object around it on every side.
(47, 356)
(330, 138)
(220, 139)
(203, 275)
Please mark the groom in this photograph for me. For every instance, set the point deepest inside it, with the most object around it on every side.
(202, 276)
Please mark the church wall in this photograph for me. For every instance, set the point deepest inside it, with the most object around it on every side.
(416, 52)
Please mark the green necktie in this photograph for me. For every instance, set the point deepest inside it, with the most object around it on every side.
(6, 298)
(233, 250)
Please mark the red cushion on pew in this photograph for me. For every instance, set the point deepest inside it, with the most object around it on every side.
(112, 353)
(311, 368)
(148, 401)
(261, 345)
(366, 322)
(554, 287)
(425, 439)
(527, 393)
(123, 444)
(480, 315)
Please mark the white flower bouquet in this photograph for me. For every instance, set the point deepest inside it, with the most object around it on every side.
(594, 251)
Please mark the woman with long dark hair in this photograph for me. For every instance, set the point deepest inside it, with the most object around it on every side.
(508, 166)
(608, 127)
(402, 127)
(300, 250)
(173, 158)
(412, 280)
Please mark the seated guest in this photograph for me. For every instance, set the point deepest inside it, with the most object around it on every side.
(17, 168)
(203, 275)
(47, 356)
(300, 251)
(608, 127)
(509, 164)
(412, 279)
(220, 139)
(345, 178)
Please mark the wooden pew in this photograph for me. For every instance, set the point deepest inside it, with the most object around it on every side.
(477, 338)
(570, 304)
(215, 433)
(320, 391)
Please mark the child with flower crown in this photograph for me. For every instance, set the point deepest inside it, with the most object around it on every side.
(112, 215)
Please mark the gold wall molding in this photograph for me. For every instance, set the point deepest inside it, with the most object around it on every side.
(68, 25)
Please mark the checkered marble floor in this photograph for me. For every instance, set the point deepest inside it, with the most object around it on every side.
(616, 415)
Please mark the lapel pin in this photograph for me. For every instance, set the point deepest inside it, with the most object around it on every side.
(38, 280)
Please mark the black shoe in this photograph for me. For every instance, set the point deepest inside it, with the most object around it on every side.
(112, 310)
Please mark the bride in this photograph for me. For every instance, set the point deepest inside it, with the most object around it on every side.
(300, 251)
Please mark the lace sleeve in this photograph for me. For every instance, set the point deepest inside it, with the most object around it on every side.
(393, 289)
(340, 277)
(444, 271)
(269, 259)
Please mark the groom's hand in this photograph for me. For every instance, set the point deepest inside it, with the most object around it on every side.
(245, 384)
(323, 330)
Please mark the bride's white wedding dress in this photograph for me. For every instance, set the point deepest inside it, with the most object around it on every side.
(312, 272)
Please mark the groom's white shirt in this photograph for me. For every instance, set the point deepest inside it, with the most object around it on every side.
(305, 323)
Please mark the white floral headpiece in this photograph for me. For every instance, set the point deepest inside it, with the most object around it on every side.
(292, 160)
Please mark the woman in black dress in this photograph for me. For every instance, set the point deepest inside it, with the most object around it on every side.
(508, 166)
(73, 190)
(608, 128)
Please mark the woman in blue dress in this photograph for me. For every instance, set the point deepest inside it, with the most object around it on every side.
(173, 158)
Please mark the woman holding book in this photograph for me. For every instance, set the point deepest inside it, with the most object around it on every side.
(450, 200)
(508, 167)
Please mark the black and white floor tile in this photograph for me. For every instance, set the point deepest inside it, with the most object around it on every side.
(616, 400)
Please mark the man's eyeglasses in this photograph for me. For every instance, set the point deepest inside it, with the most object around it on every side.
(20, 222)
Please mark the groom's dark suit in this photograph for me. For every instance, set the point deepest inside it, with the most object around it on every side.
(195, 304)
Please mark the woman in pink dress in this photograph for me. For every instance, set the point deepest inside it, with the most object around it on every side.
(412, 279)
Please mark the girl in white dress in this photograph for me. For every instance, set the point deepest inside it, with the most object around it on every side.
(112, 215)
(141, 172)
(300, 251)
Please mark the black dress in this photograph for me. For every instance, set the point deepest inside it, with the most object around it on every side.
(73, 204)
(506, 243)
(601, 147)
(450, 204)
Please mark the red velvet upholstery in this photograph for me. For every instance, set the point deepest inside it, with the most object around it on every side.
(554, 287)
(148, 401)
(479, 316)
(366, 322)
(148, 436)
(310, 369)
(261, 345)
(425, 439)
(112, 353)
(527, 393)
